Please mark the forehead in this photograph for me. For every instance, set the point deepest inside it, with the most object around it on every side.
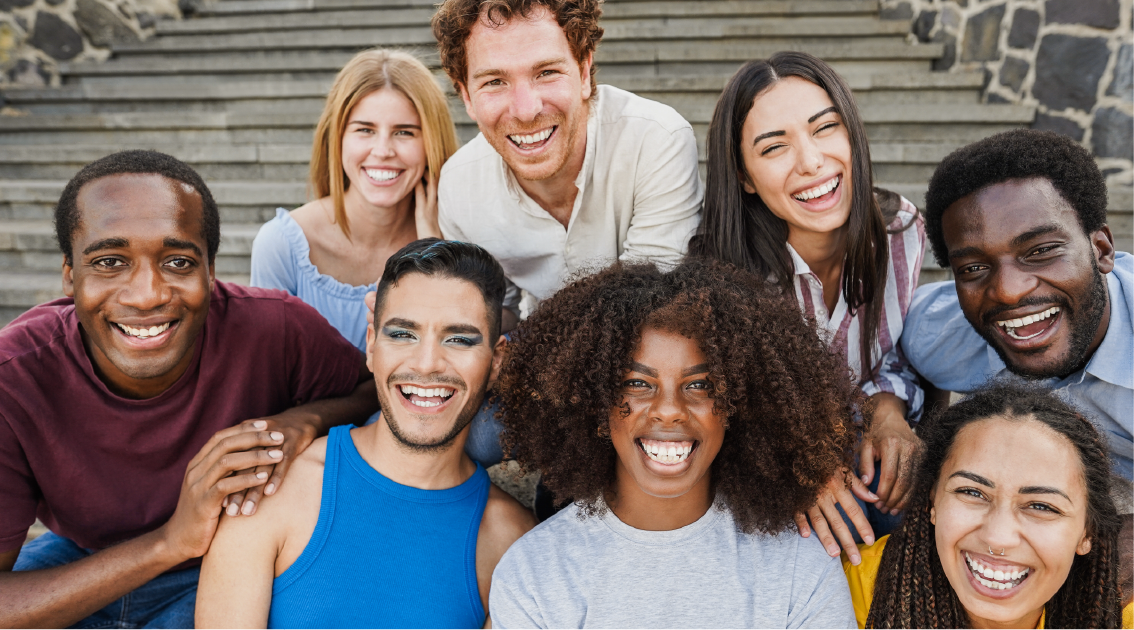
(1009, 452)
(659, 348)
(148, 206)
(516, 44)
(998, 213)
(435, 301)
(385, 104)
(789, 100)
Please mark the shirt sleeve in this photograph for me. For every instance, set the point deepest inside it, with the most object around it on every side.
(667, 198)
(895, 376)
(273, 266)
(941, 344)
(322, 363)
(19, 493)
(509, 604)
(825, 599)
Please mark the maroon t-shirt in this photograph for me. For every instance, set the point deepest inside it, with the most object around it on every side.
(100, 469)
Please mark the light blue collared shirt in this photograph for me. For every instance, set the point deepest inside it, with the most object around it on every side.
(944, 348)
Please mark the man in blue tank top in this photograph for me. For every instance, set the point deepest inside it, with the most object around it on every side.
(391, 524)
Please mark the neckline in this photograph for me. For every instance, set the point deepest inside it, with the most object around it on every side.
(301, 254)
(663, 538)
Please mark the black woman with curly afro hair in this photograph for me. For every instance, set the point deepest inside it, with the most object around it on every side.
(690, 413)
(1012, 523)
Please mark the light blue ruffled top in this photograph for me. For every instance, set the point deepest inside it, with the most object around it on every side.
(281, 259)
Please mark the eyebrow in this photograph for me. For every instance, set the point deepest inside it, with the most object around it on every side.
(400, 323)
(538, 66)
(1039, 231)
(366, 123)
(176, 243)
(644, 369)
(973, 477)
(696, 369)
(463, 329)
(1044, 490)
(106, 243)
(774, 134)
(965, 251)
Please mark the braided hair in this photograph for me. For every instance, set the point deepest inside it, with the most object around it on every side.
(912, 591)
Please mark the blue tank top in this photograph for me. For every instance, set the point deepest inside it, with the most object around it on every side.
(386, 555)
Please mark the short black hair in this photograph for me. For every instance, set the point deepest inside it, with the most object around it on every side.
(450, 259)
(67, 217)
(1016, 154)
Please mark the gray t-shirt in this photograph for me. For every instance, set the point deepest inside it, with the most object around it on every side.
(600, 572)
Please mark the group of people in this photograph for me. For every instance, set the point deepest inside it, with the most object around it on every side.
(719, 384)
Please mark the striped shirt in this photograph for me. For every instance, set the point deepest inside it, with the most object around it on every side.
(890, 371)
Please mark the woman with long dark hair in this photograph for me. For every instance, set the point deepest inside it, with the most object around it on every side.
(790, 197)
(1011, 526)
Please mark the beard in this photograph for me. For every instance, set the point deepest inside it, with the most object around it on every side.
(464, 416)
(1083, 324)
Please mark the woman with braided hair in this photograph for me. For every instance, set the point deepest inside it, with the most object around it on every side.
(1011, 526)
(691, 414)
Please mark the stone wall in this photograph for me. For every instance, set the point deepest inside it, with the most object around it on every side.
(36, 35)
(1069, 58)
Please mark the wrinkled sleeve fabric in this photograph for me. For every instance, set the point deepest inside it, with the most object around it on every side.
(821, 597)
(273, 266)
(895, 376)
(667, 198)
(941, 344)
(19, 494)
(321, 362)
(510, 605)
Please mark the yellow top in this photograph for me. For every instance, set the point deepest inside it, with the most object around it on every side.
(861, 580)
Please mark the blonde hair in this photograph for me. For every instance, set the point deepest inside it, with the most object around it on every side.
(368, 72)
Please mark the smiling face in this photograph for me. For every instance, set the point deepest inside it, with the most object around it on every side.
(431, 359)
(991, 494)
(528, 94)
(671, 435)
(1028, 279)
(383, 150)
(797, 156)
(141, 279)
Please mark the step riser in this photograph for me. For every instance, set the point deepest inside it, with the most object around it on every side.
(229, 214)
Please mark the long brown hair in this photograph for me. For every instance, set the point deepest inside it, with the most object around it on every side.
(912, 591)
(739, 228)
(368, 72)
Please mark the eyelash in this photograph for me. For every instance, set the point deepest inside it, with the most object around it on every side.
(825, 126)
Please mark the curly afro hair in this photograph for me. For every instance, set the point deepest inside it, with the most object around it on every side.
(1016, 154)
(787, 401)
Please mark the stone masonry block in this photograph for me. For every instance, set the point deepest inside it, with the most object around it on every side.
(1112, 134)
(924, 24)
(1013, 72)
(982, 35)
(103, 25)
(1068, 69)
(8, 5)
(949, 57)
(1060, 125)
(1025, 28)
(55, 37)
(1096, 13)
(1122, 83)
(902, 11)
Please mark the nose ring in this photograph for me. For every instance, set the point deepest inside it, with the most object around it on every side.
(995, 554)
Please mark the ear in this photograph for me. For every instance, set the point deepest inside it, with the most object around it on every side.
(745, 184)
(370, 337)
(933, 508)
(68, 278)
(585, 68)
(464, 92)
(497, 359)
(1084, 547)
(933, 515)
(1103, 243)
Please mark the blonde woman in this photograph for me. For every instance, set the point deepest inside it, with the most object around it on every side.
(383, 136)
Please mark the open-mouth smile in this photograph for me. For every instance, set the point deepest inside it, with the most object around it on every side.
(146, 336)
(1000, 581)
(426, 397)
(667, 452)
(820, 193)
(383, 176)
(528, 142)
(1029, 326)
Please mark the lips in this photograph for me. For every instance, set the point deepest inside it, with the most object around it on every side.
(382, 176)
(533, 140)
(667, 456)
(426, 399)
(822, 196)
(145, 335)
(995, 578)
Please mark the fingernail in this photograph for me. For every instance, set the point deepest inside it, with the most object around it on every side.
(271, 489)
(248, 507)
(855, 559)
(833, 551)
(261, 475)
(277, 436)
(869, 540)
(224, 503)
(864, 479)
(232, 509)
(260, 424)
(275, 454)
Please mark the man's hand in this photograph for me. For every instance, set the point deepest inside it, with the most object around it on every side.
(892, 441)
(241, 449)
(829, 524)
(299, 432)
(425, 208)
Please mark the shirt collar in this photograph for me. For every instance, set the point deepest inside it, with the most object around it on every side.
(800, 265)
(1111, 361)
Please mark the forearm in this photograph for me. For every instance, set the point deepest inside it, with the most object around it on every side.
(61, 596)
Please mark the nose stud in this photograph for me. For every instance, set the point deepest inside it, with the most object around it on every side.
(995, 554)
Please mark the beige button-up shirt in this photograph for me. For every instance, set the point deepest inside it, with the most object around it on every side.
(639, 198)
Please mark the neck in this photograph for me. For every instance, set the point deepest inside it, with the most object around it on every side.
(657, 514)
(376, 226)
(1030, 620)
(824, 252)
(426, 470)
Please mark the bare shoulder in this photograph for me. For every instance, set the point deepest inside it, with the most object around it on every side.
(505, 519)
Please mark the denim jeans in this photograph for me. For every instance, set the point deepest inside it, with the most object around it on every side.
(166, 601)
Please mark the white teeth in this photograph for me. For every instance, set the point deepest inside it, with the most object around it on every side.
(1010, 325)
(381, 175)
(144, 333)
(819, 190)
(434, 392)
(666, 453)
(532, 138)
(995, 579)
